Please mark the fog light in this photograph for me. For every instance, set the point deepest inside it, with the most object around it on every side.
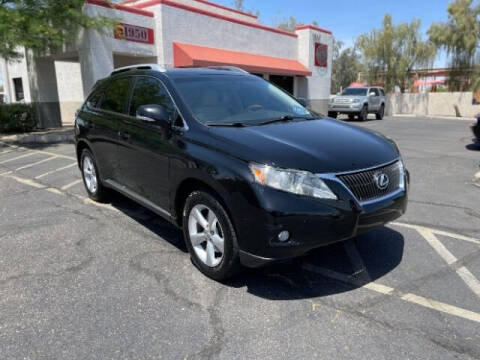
(283, 236)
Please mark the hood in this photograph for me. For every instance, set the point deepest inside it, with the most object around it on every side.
(323, 145)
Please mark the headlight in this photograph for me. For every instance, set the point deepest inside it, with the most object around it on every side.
(356, 101)
(401, 169)
(293, 181)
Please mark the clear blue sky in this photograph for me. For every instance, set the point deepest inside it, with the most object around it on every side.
(349, 18)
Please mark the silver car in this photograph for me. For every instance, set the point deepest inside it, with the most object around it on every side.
(359, 101)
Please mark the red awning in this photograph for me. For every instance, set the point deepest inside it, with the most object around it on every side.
(186, 55)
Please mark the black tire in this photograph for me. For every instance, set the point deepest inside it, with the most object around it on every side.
(332, 114)
(230, 263)
(380, 113)
(363, 114)
(351, 117)
(100, 194)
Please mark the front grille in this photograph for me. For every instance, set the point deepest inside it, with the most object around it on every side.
(362, 184)
(343, 101)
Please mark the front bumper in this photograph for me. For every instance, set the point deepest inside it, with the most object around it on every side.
(311, 223)
(345, 108)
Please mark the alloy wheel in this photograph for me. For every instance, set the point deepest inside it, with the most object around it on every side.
(89, 174)
(206, 235)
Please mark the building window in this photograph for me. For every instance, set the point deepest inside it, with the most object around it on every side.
(18, 85)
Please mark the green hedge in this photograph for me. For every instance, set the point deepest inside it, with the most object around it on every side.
(17, 118)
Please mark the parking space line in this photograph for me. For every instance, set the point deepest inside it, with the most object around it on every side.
(40, 151)
(469, 279)
(387, 290)
(19, 157)
(7, 151)
(56, 170)
(36, 163)
(438, 232)
(73, 183)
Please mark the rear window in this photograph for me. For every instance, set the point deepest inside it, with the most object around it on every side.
(115, 95)
(355, 91)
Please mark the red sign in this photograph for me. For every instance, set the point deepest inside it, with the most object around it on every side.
(321, 55)
(133, 33)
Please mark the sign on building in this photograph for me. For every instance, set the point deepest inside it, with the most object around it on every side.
(133, 33)
(321, 55)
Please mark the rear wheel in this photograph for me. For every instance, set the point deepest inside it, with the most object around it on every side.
(91, 179)
(332, 114)
(363, 114)
(351, 117)
(210, 236)
(380, 113)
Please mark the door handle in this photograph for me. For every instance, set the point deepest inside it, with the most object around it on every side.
(124, 135)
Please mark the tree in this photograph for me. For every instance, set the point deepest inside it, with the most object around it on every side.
(459, 36)
(394, 51)
(238, 5)
(42, 26)
(346, 66)
(289, 24)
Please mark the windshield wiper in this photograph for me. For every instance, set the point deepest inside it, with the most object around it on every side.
(233, 124)
(286, 118)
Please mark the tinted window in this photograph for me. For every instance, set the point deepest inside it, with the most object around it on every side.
(355, 91)
(375, 91)
(115, 95)
(149, 91)
(234, 98)
(382, 93)
(94, 100)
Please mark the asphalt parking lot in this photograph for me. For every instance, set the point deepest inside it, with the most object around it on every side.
(85, 280)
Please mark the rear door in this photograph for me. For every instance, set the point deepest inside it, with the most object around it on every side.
(101, 117)
(145, 147)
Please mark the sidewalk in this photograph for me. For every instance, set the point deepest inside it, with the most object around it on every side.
(43, 136)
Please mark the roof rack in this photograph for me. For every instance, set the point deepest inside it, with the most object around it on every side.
(139, 67)
(227, 68)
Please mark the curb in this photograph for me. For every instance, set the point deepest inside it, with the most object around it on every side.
(54, 137)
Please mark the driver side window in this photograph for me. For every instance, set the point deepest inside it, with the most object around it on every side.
(149, 91)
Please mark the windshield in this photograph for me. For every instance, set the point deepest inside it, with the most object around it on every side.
(236, 99)
(355, 91)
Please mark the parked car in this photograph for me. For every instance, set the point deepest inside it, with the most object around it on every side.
(250, 175)
(476, 129)
(359, 101)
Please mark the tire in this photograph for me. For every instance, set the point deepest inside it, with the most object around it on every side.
(204, 243)
(380, 113)
(363, 114)
(332, 114)
(351, 117)
(91, 179)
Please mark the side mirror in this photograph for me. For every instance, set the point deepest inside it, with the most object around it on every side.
(372, 94)
(302, 102)
(153, 114)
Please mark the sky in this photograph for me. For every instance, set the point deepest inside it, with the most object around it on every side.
(349, 18)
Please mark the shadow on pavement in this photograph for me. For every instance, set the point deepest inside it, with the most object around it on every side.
(378, 253)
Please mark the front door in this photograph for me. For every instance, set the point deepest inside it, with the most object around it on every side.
(144, 149)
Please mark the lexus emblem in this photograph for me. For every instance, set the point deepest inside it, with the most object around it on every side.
(381, 180)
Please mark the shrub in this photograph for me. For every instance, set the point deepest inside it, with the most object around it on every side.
(17, 118)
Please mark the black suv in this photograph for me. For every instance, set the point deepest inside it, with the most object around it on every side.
(244, 168)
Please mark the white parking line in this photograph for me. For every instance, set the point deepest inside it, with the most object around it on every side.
(6, 151)
(19, 157)
(40, 151)
(438, 232)
(73, 183)
(56, 170)
(462, 271)
(36, 163)
(387, 290)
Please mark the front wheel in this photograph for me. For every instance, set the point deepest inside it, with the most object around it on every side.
(363, 114)
(210, 236)
(380, 113)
